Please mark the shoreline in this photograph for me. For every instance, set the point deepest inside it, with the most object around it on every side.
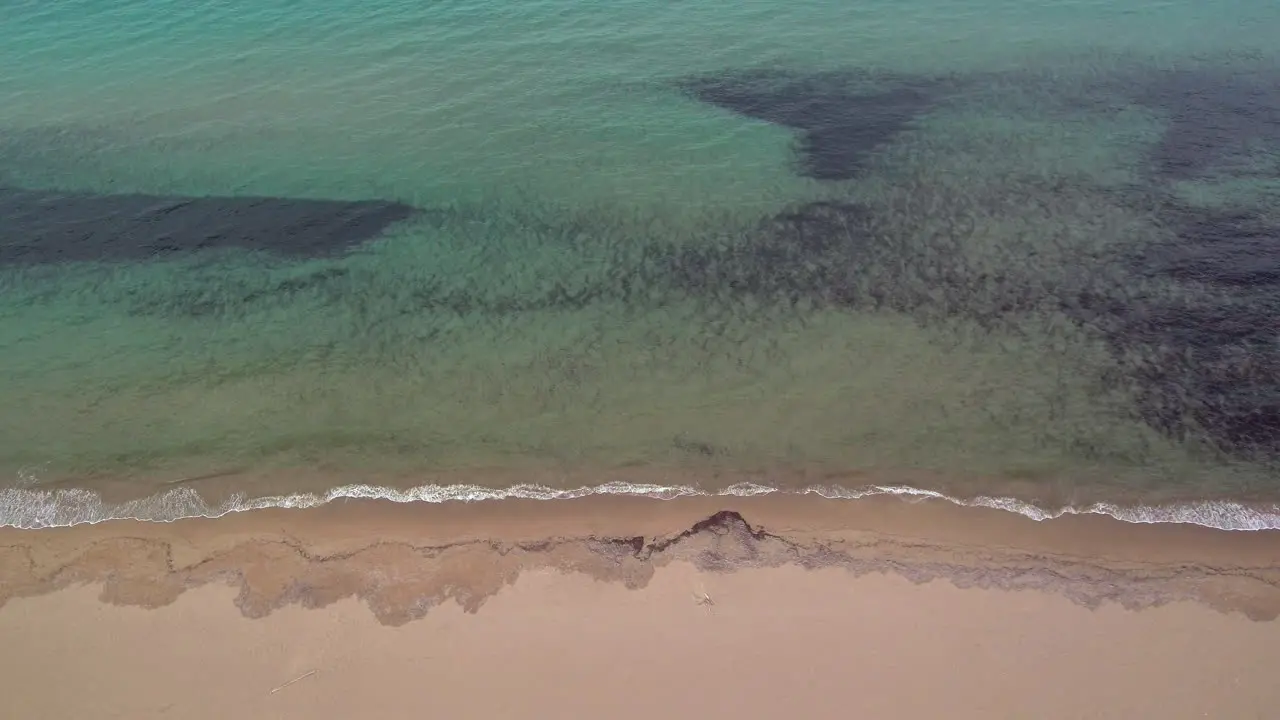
(34, 507)
(335, 549)
(732, 606)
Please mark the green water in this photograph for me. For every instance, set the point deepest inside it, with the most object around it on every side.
(552, 136)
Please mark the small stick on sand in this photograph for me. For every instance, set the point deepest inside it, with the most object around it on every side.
(303, 676)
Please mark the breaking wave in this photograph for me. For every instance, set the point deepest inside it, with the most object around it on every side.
(31, 508)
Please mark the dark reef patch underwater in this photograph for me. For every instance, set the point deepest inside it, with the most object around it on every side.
(42, 226)
(842, 117)
(1203, 352)
(1213, 116)
(1190, 311)
(1213, 355)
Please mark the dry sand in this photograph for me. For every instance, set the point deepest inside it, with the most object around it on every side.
(627, 608)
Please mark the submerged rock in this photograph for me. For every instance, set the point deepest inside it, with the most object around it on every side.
(842, 117)
(1211, 115)
(42, 226)
(1208, 358)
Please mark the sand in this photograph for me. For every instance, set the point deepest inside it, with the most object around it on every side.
(714, 608)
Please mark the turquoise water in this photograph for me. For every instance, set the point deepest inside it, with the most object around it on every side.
(598, 282)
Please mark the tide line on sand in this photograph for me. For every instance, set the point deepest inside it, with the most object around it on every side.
(33, 508)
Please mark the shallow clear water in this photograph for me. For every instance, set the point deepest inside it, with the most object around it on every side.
(1014, 249)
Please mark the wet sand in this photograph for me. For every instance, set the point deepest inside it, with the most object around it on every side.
(634, 608)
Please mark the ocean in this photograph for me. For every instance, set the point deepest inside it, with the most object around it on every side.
(1017, 254)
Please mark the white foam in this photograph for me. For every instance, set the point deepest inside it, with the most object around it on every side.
(32, 508)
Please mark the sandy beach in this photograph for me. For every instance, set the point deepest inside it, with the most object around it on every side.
(639, 360)
(634, 608)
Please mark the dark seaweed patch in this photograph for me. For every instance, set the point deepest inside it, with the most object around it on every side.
(1238, 249)
(1203, 362)
(1212, 372)
(1203, 358)
(1211, 115)
(842, 117)
(1211, 360)
(38, 227)
(810, 252)
(851, 255)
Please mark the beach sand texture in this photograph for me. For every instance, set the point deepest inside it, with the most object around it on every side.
(631, 608)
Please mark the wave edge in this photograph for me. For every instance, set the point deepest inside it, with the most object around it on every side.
(32, 508)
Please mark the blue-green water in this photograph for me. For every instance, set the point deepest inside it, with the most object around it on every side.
(1001, 296)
